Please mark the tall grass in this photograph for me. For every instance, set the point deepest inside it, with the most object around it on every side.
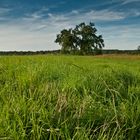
(69, 97)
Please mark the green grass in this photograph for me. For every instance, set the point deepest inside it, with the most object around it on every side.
(70, 97)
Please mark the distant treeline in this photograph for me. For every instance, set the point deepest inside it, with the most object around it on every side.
(59, 51)
(29, 52)
(115, 51)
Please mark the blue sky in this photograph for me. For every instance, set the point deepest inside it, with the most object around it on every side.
(33, 24)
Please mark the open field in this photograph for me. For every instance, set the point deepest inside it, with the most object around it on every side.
(70, 97)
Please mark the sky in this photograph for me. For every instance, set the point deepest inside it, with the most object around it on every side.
(32, 25)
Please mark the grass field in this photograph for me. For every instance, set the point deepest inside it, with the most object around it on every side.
(70, 97)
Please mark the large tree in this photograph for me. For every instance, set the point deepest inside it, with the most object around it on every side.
(139, 48)
(82, 38)
(67, 40)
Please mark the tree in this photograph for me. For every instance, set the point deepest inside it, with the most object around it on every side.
(139, 48)
(67, 40)
(82, 38)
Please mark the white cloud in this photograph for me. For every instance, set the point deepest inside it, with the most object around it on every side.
(121, 37)
(129, 1)
(102, 15)
(75, 12)
(135, 12)
(4, 11)
(17, 38)
(105, 15)
(36, 15)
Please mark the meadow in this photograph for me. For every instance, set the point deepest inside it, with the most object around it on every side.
(56, 97)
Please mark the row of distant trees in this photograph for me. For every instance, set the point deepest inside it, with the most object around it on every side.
(83, 39)
(29, 52)
(59, 51)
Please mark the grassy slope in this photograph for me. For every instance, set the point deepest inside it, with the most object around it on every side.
(70, 97)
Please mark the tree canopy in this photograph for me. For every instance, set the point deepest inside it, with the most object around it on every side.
(82, 39)
(139, 48)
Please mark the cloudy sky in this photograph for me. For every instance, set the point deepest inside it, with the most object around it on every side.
(33, 24)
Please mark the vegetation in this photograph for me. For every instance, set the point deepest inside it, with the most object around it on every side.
(59, 51)
(82, 39)
(70, 97)
(139, 48)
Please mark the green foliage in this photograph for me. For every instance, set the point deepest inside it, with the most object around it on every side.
(70, 97)
(82, 38)
(66, 39)
(139, 48)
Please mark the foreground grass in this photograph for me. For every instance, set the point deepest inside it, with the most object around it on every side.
(70, 97)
